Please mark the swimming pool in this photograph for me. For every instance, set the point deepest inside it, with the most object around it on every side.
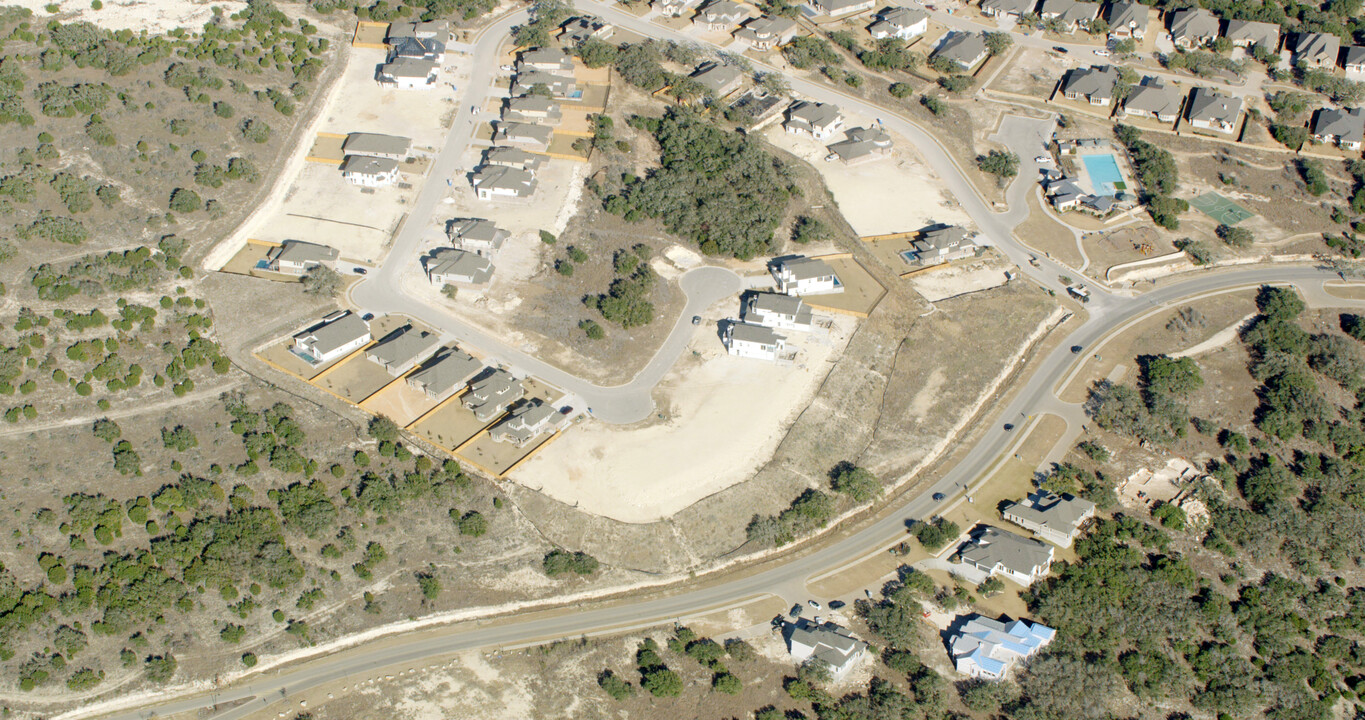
(1104, 173)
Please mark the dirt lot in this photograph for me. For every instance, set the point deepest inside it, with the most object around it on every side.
(961, 276)
(861, 292)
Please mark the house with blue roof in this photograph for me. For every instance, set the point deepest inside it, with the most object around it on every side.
(987, 649)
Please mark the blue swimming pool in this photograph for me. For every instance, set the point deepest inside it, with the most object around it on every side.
(1104, 173)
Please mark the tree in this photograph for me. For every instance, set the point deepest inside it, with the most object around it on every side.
(726, 683)
(429, 584)
(662, 682)
(1235, 236)
(998, 42)
(107, 430)
(383, 429)
(322, 280)
(1166, 211)
(184, 200)
(160, 668)
(1314, 178)
(1065, 686)
(1279, 303)
(473, 524)
(857, 483)
(901, 90)
(1003, 164)
(614, 686)
(558, 562)
(179, 439)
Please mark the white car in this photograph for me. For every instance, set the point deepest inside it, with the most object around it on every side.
(1102, 53)
(506, 68)
(1043, 159)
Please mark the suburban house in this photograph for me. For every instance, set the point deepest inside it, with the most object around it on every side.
(673, 8)
(429, 30)
(720, 15)
(295, 257)
(819, 120)
(480, 237)
(335, 337)
(1127, 20)
(401, 349)
(899, 22)
(1054, 518)
(825, 642)
(1007, 8)
(1211, 110)
(501, 181)
(758, 105)
(1153, 98)
(720, 80)
(507, 156)
(964, 48)
(392, 147)
(1094, 84)
(996, 551)
(1064, 194)
(526, 422)
(1245, 33)
(408, 74)
(449, 370)
(987, 649)
(943, 243)
(369, 171)
(1097, 205)
(528, 134)
(775, 310)
(1193, 28)
(839, 8)
(861, 145)
(753, 341)
(1317, 50)
(583, 27)
(800, 275)
(1354, 59)
(767, 32)
(546, 60)
(559, 86)
(531, 108)
(447, 266)
(418, 49)
(491, 394)
(1344, 128)
(1069, 13)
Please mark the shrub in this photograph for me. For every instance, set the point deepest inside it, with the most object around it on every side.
(614, 686)
(558, 561)
(184, 200)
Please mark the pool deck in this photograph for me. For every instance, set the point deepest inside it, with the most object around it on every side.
(1088, 181)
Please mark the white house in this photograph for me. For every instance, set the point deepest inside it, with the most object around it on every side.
(493, 182)
(490, 395)
(409, 74)
(987, 649)
(1344, 128)
(294, 257)
(448, 266)
(1054, 518)
(720, 15)
(774, 310)
(943, 243)
(526, 422)
(335, 337)
(1209, 109)
(819, 120)
(753, 341)
(840, 8)
(369, 171)
(899, 22)
(673, 8)
(1128, 20)
(995, 551)
(805, 276)
(827, 643)
(476, 235)
(400, 350)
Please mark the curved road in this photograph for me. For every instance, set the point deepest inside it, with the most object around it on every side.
(703, 286)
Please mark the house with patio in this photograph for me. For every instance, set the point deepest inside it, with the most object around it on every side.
(1245, 33)
(476, 235)
(1316, 50)
(447, 372)
(997, 552)
(967, 49)
(826, 642)
(1057, 519)
(490, 395)
(1153, 98)
(531, 135)
(448, 266)
(555, 60)
(528, 421)
(767, 32)
(335, 337)
(1069, 14)
(1094, 84)
(818, 120)
(295, 257)
(862, 145)
(943, 243)
(720, 16)
(531, 109)
(901, 23)
(1341, 127)
(987, 649)
(1007, 8)
(399, 351)
(753, 341)
(559, 86)
(377, 145)
(775, 310)
(718, 78)
(1211, 110)
(408, 74)
(1193, 28)
(512, 157)
(368, 171)
(799, 275)
(497, 182)
(1127, 20)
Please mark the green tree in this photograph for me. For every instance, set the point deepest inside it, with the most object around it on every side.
(856, 482)
(184, 200)
(322, 280)
(1003, 164)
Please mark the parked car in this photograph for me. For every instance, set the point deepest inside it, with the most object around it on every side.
(696, 319)
(506, 68)
(1043, 159)
(835, 604)
(360, 271)
(367, 317)
(1060, 49)
(1102, 53)
(814, 604)
(796, 610)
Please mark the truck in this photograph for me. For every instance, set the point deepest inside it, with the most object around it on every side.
(1079, 292)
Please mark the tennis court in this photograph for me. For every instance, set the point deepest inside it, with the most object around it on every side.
(1222, 210)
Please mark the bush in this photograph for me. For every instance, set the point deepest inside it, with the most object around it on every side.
(184, 200)
(998, 163)
(857, 483)
(936, 533)
(614, 686)
(592, 329)
(473, 524)
(160, 668)
(726, 683)
(662, 682)
(901, 90)
(558, 562)
(1235, 236)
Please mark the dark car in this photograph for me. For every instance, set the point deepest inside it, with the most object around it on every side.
(1009, 426)
(361, 271)
(1060, 49)
(367, 317)
(696, 319)
(835, 604)
(938, 497)
(1076, 349)
(796, 610)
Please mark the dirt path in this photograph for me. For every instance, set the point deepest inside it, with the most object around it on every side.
(185, 399)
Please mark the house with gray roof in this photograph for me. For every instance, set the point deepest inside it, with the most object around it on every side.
(744, 339)
(399, 351)
(1071, 14)
(967, 49)
(997, 552)
(1127, 20)
(1344, 127)
(799, 275)
(775, 310)
(839, 8)
(825, 642)
(1193, 28)
(1211, 110)
(899, 22)
(1055, 518)
(1007, 8)
(578, 29)
(295, 257)
(673, 8)
(369, 171)
(861, 145)
(526, 134)
(719, 79)
(493, 182)
(1317, 50)
(429, 30)
(1094, 84)
(767, 32)
(545, 59)
(1153, 98)
(1064, 194)
(720, 15)
(448, 266)
(513, 157)
(819, 120)
(531, 109)
(560, 86)
(445, 373)
(333, 338)
(491, 394)
(943, 243)
(528, 421)
(476, 235)
(1354, 59)
(1245, 33)
(418, 49)
(377, 145)
(987, 649)
(406, 73)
